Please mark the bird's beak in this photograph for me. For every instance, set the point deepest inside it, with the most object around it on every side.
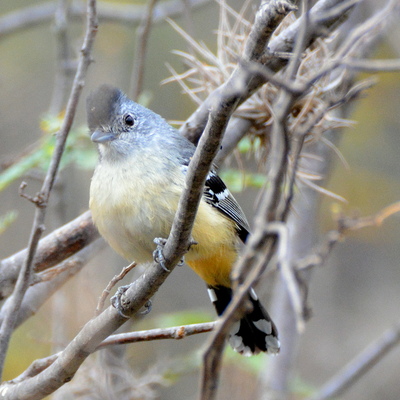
(102, 137)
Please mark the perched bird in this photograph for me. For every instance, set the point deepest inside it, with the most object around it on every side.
(134, 196)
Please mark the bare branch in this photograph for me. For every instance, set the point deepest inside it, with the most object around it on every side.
(28, 17)
(176, 332)
(372, 65)
(35, 368)
(54, 248)
(89, 339)
(360, 365)
(48, 284)
(64, 367)
(345, 226)
(38, 225)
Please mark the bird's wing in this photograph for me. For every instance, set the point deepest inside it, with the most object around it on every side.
(218, 195)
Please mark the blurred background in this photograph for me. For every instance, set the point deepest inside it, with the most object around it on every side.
(354, 297)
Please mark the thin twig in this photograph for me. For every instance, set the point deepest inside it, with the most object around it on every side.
(38, 224)
(345, 225)
(142, 38)
(28, 17)
(176, 332)
(35, 368)
(372, 65)
(360, 365)
(111, 284)
(288, 273)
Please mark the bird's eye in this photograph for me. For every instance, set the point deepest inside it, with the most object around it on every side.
(129, 120)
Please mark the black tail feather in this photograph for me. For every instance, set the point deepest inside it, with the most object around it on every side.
(255, 332)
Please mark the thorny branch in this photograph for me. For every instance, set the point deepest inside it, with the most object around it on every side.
(322, 15)
(275, 207)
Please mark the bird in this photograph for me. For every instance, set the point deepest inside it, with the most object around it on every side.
(134, 195)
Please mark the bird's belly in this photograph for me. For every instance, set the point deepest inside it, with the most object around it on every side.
(130, 217)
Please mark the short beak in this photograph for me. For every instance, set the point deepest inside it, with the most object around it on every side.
(101, 137)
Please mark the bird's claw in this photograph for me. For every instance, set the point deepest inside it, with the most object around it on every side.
(147, 308)
(116, 300)
(158, 254)
(181, 262)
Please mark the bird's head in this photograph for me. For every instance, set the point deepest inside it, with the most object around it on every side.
(119, 125)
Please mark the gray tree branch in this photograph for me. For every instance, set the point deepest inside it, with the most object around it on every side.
(52, 249)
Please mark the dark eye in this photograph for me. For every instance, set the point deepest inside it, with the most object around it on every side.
(129, 120)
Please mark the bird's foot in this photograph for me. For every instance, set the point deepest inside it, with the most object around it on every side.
(118, 304)
(158, 254)
(116, 301)
(147, 308)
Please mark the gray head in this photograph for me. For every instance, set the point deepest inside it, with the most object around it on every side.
(119, 125)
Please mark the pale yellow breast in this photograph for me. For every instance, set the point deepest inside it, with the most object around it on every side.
(131, 208)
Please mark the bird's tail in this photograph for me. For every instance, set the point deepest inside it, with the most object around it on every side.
(255, 332)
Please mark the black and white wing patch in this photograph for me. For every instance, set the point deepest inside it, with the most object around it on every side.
(218, 195)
